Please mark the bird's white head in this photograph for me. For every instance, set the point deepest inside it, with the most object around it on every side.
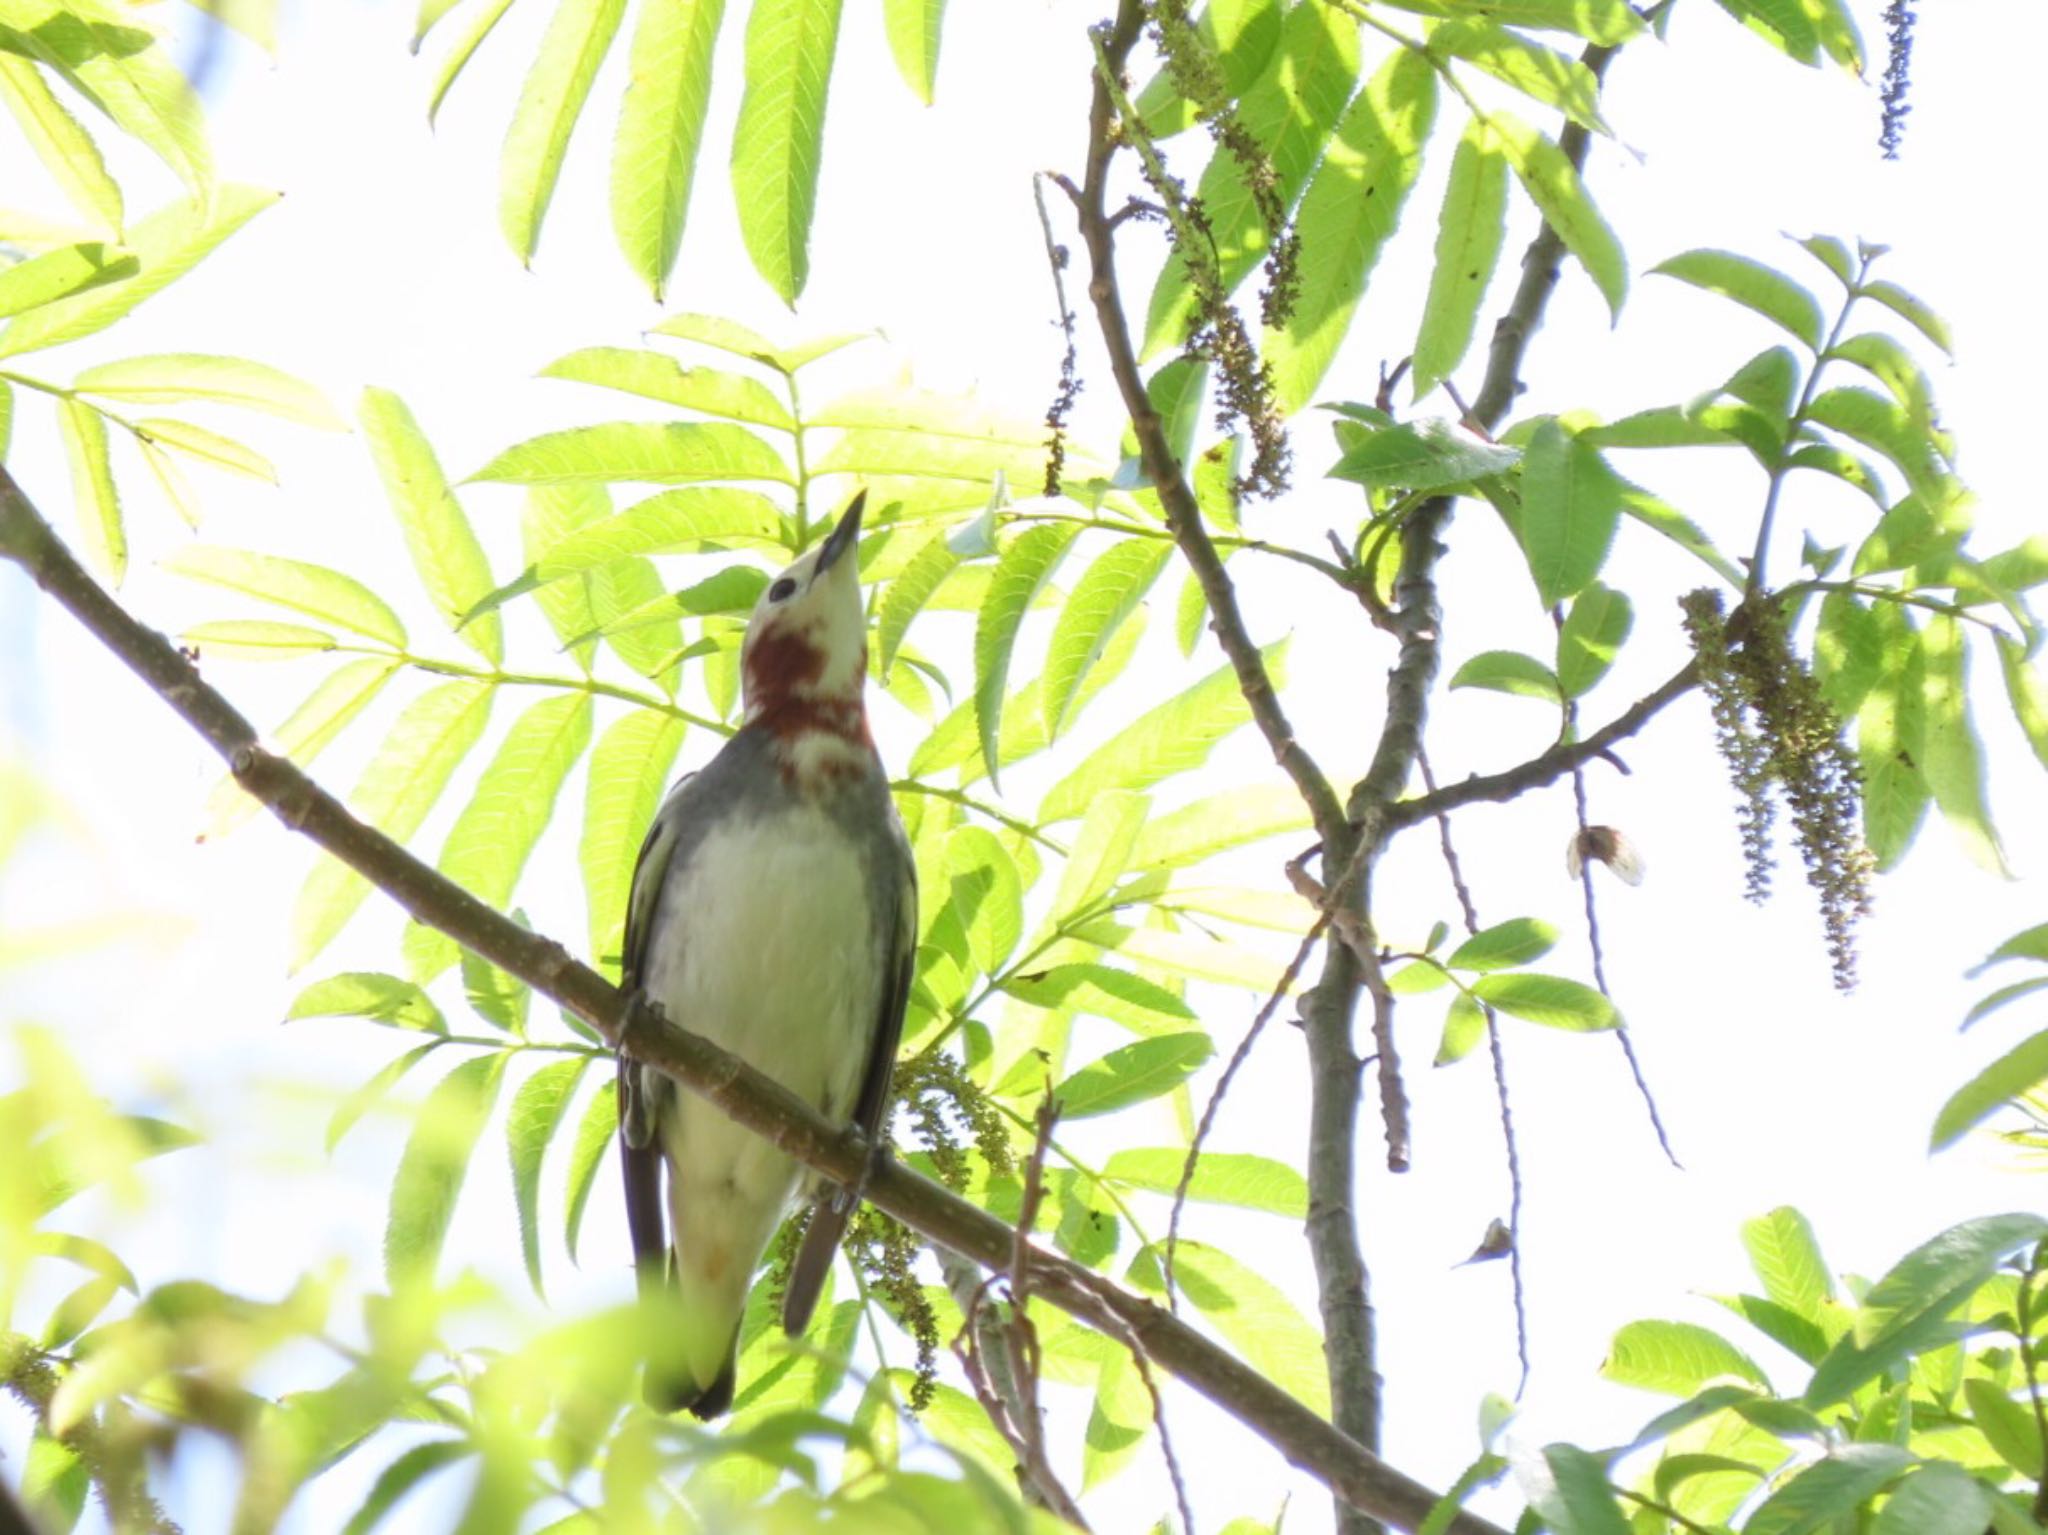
(804, 662)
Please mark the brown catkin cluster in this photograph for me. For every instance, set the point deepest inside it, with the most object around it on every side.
(1779, 737)
(886, 1251)
(939, 1096)
(1217, 332)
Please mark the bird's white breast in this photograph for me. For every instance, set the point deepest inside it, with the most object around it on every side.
(770, 951)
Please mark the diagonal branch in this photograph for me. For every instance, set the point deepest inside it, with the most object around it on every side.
(1548, 767)
(1352, 1472)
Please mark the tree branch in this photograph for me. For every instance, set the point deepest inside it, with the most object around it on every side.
(1162, 467)
(1547, 768)
(637, 1029)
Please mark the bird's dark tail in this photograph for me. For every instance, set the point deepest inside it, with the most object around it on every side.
(814, 1258)
(667, 1390)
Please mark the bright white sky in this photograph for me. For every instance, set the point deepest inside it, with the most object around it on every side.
(384, 265)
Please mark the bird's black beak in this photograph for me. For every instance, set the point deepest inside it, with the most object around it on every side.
(841, 538)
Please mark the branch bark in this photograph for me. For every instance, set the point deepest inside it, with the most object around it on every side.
(1350, 1470)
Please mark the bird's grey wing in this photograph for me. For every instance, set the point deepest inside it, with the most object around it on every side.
(834, 1207)
(644, 1092)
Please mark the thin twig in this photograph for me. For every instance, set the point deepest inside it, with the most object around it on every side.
(1628, 1047)
(1070, 361)
(1470, 911)
(1223, 1083)
(1341, 1462)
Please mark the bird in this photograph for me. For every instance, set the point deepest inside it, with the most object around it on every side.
(773, 910)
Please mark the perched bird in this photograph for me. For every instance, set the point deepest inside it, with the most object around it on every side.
(773, 911)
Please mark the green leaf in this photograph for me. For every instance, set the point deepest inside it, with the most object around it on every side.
(492, 837)
(1571, 502)
(305, 733)
(1893, 366)
(1984, 1007)
(1108, 592)
(1554, 185)
(1469, 231)
(987, 893)
(1934, 1278)
(1142, 1006)
(367, 994)
(1509, 671)
(1426, 455)
(1251, 1313)
(258, 639)
(537, 1110)
(1174, 738)
(1221, 1177)
(1952, 756)
(126, 72)
(406, 1471)
(2010, 1429)
(594, 1133)
(1786, 1256)
(431, 1171)
(2018, 1070)
(395, 793)
(778, 140)
(575, 43)
(1464, 1027)
(1504, 945)
(628, 773)
(1828, 1489)
(366, 1097)
(311, 589)
(694, 519)
(211, 447)
(169, 377)
(1347, 214)
(1021, 574)
(1598, 21)
(1912, 311)
(1593, 633)
(1547, 999)
(1289, 113)
(92, 488)
(1676, 1358)
(167, 244)
(1198, 831)
(658, 376)
(654, 452)
(905, 596)
(481, 24)
(913, 30)
(443, 546)
(2032, 943)
(1876, 422)
(1580, 1502)
(1890, 727)
(1133, 1073)
(1538, 72)
(1935, 1498)
(61, 143)
(1754, 286)
(1119, 1422)
(661, 127)
(2029, 695)
(1101, 852)
(61, 272)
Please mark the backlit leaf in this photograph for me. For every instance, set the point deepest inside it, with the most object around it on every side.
(84, 431)
(1469, 230)
(661, 128)
(594, 1133)
(339, 698)
(629, 771)
(778, 140)
(1021, 574)
(653, 452)
(536, 1113)
(1753, 285)
(443, 546)
(61, 142)
(1108, 592)
(551, 100)
(168, 377)
(1547, 999)
(1571, 502)
(431, 1172)
(1556, 188)
(1593, 633)
(492, 837)
(658, 376)
(913, 31)
(1221, 1177)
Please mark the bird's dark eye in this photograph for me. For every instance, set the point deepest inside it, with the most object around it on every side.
(781, 589)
